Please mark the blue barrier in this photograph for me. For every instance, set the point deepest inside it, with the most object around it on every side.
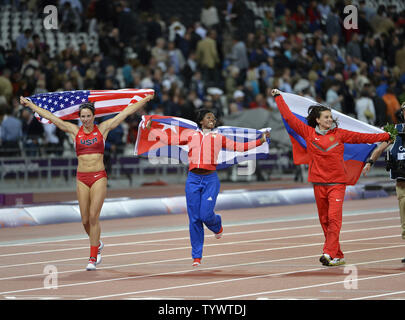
(129, 208)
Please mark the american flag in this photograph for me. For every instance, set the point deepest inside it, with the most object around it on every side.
(65, 104)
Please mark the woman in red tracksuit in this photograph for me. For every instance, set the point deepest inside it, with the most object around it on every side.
(327, 172)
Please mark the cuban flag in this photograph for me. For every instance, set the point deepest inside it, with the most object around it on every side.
(65, 104)
(159, 152)
(355, 155)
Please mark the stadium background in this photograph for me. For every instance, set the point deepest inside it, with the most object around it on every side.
(266, 253)
(298, 47)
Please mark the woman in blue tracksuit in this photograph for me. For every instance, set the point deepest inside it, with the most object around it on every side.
(202, 185)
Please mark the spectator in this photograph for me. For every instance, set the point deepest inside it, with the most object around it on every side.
(367, 9)
(154, 29)
(259, 102)
(190, 68)
(380, 107)
(401, 97)
(314, 16)
(238, 58)
(368, 50)
(213, 102)
(324, 9)
(176, 27)
(198, 85)
(38, 47)
(380, 22)
(188, 109)
(333, 99)
(208, 58)
(52, 143)
(353, 47)
(231, 12)
(285, 81)
(159, 51)
(200, 30)
(209, 15)
(334, 50)
(400, 58)
(115, 47)
(393, 47)
(392, 104)
(11, 132)
(114, 145)
(333, 24)
(126, 22)
(239, 100)
(33, 132)
(6, 87)
(70, 20)
(365, 107)
(175, 58)
(299, 18)
(23, 40)
(350, 66)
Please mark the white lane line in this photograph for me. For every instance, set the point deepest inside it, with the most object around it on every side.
(186, 271)
(207, 245)
(306, 216)
(319, 284)
(311, 286)
(165, 240)
(192, 270)
(379, 295)
(205, 257)
(248, 278)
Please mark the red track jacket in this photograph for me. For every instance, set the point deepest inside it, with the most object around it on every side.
(326, 164)
(204, 148)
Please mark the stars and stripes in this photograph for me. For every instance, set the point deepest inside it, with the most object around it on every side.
(65, 104)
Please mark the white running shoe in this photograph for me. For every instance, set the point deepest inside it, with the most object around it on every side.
(92, 265)
(325, 259)
(196, 262)
(100, 247)
(219, 234)
(336, 262)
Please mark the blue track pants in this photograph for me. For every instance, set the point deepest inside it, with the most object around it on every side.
(201, 196)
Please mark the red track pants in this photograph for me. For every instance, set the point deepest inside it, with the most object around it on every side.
(329, 200)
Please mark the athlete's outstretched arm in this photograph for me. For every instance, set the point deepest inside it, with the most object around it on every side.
(110, 124)
(65, 126)
(375, 155)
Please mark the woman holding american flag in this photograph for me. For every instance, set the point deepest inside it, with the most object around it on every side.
(91, 175)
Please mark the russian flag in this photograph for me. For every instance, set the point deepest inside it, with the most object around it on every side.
(161, 153)
(355, 155)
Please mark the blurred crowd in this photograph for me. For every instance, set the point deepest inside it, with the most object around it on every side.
(228, 60)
